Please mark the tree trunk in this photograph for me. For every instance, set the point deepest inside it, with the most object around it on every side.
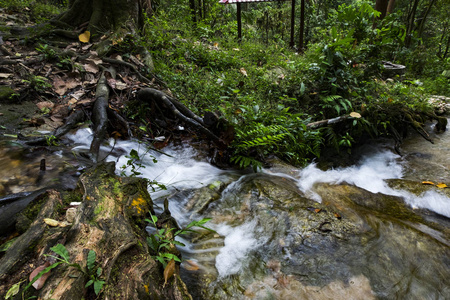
(390, 7)
(109, 221)
(424, 18)
(381, 6)
(105, 15)
(410, 23)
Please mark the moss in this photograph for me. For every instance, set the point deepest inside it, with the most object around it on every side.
(5, 93)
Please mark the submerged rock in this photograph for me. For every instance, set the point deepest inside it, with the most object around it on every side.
(355, 244)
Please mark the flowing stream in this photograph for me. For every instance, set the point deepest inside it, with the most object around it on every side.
(371, 230)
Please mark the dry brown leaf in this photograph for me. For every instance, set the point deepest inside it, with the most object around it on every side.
(120, 85)
(243, 72)
(45, 104)
(91, 67)
(190, 265)
(428, 182)
(59, 86)
(86, 47)
(84, 37)
(317, 210)
(38, 284)
(51, 222)
(441, 185)
(78, 94)
(354, 114)
(111, 82)
(169, 271)
(72, 83)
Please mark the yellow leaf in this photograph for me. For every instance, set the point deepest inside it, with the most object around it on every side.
(441, 185)
(51, 222)
(354, 114)
(84, 37)
(216, 45)
(390, 100)
(428, 182)
(169, 271)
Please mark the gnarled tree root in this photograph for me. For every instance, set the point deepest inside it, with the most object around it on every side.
(179, 110)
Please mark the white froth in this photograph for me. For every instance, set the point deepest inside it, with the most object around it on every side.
(431, 200)
(370, 174)
(239, 241)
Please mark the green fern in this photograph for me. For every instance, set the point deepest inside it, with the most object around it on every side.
(252, 146)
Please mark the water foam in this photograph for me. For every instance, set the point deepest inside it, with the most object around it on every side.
(370, 175)
(239, 241)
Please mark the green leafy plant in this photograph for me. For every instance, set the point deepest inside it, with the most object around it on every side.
(134, 163)
(48, 52)
(163, 239)
(51, 140)
(335, 105)
(94, 273)
(64, 258)
(38, 83)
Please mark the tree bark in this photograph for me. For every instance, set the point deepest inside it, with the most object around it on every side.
(390, 8)
(105, 15)
(381, 6)
(424, 18)
(410, 23)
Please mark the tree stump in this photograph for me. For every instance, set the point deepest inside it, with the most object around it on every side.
(110, 221)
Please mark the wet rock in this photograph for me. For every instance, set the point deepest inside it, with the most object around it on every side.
(203, 197)
(353, 243)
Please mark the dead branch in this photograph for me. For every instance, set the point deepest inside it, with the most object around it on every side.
(322, 123)
(100, 115)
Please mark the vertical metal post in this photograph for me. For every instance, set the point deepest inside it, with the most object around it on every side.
(239, 21)
(291, 43)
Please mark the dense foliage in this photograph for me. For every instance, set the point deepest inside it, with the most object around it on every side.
(270, 93)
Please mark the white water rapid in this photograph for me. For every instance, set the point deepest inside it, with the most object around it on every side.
(180, 170)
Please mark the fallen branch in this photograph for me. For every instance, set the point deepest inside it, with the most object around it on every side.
(71, 122)
(322, 123)
(100, 115)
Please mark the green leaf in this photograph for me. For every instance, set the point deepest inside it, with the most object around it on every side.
(61, 251)
(178, 243)
(99, 271)
(6, 245)
(89, 283)
(13, 290)
(91, 260)
(152, 242)
(98, 284)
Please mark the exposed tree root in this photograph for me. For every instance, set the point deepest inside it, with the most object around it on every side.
(100, 115)
(160, 98)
